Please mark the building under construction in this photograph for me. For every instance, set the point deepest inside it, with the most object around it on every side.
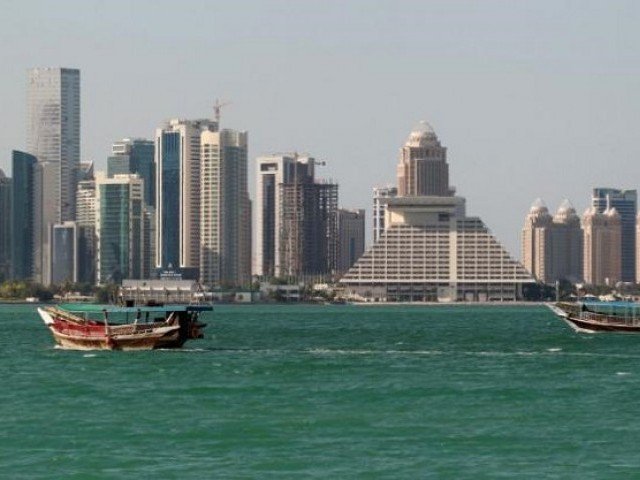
(308, 232)
(296, 219)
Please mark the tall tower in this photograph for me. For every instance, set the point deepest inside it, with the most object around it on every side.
(135, 155)
(5, 226)
(296, 218)
(53, 132)
(119, 228)
(177, 152)
(86, 223)
(272, 172)
(23, 215)
(225, 221)
(626, 204)
(423, 168)
(535, 239)
(566, 245)
(602, 246)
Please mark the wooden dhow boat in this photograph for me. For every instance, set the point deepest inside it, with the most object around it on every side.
(593, 317)
(108, 327)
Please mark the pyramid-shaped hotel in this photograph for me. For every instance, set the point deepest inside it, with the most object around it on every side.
(430, 250)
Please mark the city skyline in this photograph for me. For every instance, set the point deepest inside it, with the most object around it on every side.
(531, 108)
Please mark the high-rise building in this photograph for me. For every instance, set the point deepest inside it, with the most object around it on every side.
(430, 249)
(537, 223)
(5, 226)
(296, 219)
(135, 155)
(272, 172)
(23, 215)
(225, 209)
(149, 260)
(177, 153)
(602, 246)
(350, 238)
(380, 197)
(53, 131)
(567, 245)
(423, 168)
(552, 247)
(119, 228)
(45, 186)
(86, 223)
(638, 247)
(64, 253)
(626, 204)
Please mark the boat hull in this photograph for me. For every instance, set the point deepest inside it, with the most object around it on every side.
(596, 327)
(592, 322)
(75, 333)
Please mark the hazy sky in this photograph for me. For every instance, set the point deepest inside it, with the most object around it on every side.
(532, 99)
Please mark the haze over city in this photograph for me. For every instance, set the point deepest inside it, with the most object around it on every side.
(530, 99)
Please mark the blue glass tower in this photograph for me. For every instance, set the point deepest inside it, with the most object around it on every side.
(170, 200)
(23, 215)
(135, 156)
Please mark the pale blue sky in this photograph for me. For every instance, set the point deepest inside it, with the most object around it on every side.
(531, 98)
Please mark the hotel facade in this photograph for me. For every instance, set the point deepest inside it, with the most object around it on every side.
(430, 250)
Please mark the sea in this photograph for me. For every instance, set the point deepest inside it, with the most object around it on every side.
(300, 391)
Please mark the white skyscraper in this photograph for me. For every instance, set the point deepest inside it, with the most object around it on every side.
(225, 209)
(53, 131)
(177, 153)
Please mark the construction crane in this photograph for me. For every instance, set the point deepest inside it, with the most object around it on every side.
(216, 110)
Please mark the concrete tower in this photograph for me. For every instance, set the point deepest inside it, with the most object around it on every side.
(535, 236)
(423, 168)
(602, 246)
(225, 209)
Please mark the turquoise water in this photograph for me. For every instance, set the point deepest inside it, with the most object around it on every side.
(327, 392)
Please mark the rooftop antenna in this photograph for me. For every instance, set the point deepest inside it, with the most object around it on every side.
(216, 109)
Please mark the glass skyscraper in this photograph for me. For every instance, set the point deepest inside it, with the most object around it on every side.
(64, 253)
(23, 216)
(119, 228)
(5, 226)
(626, 203)
(53, 131)
(178, 194)
(135, 155)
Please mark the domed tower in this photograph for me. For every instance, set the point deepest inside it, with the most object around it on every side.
(423, 168)
(566, 255)
(535, 235)
(602, 246)
(566, 214)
